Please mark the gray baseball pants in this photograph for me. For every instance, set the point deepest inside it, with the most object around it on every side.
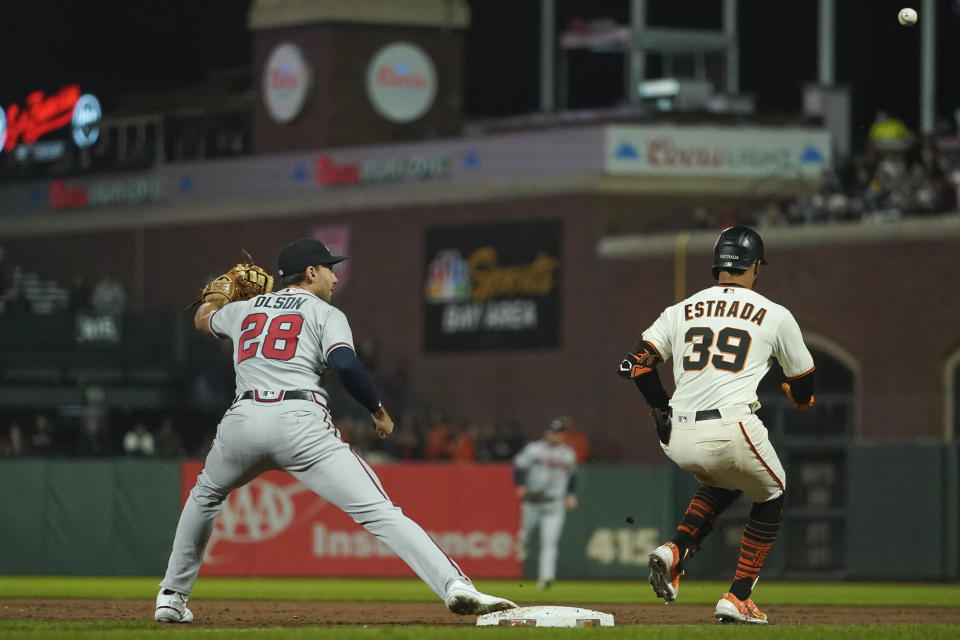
(549, 517)
(297, 436)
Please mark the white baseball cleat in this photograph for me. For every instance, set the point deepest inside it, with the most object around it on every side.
(665, 571)
(732, 609)
(464, 599)
(172, 608)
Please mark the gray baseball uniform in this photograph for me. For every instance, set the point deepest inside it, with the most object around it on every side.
(281, 342)
(546, 470)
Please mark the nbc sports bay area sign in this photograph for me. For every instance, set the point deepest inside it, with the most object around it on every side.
(401, 82)
(492, 286)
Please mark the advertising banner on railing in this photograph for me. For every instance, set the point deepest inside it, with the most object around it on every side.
(275, 526)
(325, 179)
(492, 286)
(787, 152)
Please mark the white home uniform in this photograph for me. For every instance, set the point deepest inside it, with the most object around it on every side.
(547, 475)
(722, 340)
(281, 421)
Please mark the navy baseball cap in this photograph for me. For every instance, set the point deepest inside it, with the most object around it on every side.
(303, 253)
(557, 424)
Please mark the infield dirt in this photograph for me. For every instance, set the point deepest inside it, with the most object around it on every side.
(245, 613)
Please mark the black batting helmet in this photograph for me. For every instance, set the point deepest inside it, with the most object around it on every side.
(737, 248)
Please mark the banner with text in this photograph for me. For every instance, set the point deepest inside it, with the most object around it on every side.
(276, 526)
(721, 151)
(492, 286)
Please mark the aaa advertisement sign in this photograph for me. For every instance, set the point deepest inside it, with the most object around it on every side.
(276, 526)
(492, 286)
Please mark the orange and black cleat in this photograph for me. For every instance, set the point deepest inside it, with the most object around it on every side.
(732, 609)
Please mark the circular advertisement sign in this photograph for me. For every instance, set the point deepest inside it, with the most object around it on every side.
(401, 82)
(86, 115)
(286, 80)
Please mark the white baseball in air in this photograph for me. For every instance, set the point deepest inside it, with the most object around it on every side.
(907, 16)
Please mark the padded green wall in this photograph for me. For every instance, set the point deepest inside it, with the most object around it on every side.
(87, 517)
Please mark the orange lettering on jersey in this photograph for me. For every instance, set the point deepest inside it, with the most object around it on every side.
(687, 314)
(747, 311)
(699, 310)
(710, 304)
(758, 318)
(721, 307)
(734, 309)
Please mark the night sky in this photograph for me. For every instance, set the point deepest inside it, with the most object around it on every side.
(115, 47)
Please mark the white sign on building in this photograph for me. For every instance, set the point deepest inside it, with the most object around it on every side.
(286, 81)
(401, 82)
(716, 151)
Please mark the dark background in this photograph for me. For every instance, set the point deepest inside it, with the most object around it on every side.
(111, 48)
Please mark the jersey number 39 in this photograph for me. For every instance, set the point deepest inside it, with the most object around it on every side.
(280, 343)
(733, 345)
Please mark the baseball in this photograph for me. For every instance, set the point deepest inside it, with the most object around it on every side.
(907, 16)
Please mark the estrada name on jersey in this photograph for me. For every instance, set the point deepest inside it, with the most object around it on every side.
(722, 340)
(270, 346)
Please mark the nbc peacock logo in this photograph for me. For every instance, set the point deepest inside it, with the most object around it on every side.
(448, 279)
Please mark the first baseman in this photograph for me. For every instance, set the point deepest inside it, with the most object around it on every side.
(722, 341)
(545, 475)
(283, 343)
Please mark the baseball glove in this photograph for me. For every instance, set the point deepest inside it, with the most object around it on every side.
(663, 424)
(242, 282)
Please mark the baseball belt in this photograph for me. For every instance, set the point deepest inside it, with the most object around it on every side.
(716, 414)
(294, 394)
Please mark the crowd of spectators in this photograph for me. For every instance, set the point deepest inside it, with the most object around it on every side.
(89, 432)
(896, 174)
(440, 439)
(422, 431)
(93, 432)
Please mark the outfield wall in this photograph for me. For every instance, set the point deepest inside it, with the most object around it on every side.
(118, 517)
(87, 517)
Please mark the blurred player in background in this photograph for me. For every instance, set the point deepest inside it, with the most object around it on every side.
(545, 475)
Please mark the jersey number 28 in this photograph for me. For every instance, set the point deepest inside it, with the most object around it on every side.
(730, 342)
(280, 343)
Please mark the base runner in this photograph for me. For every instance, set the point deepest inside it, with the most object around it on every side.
(722, 341)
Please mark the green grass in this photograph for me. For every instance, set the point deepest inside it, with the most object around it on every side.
(84, 630)
(568, 592)
(408, 590)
